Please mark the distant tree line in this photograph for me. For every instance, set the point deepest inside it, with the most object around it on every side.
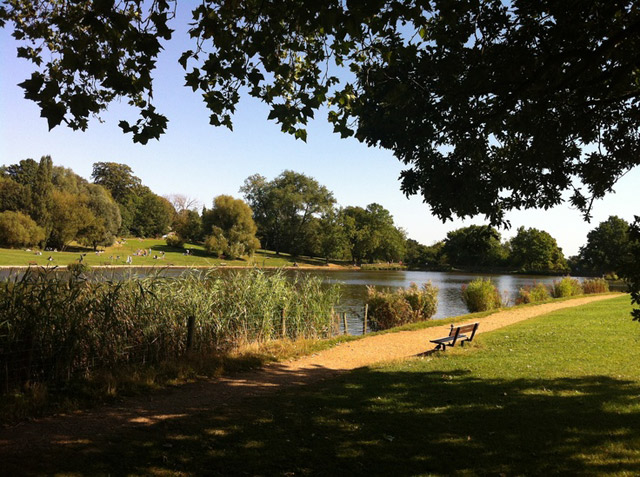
(291, 214)
(51, 206)
(608, 251)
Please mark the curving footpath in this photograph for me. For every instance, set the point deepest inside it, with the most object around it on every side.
(84, 431)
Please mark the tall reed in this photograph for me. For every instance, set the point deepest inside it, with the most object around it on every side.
(481, 295)
(54, 328)
(405, 305)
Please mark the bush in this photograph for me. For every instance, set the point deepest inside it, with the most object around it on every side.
(235, 251)
(19, 230)
(174, 240)
(481, 295)
(388, 309)
(533, 293)
(78, 268)
(566, 287)
(216, 243)
(596, 285)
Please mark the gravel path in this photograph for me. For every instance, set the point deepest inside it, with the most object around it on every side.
(86, 430)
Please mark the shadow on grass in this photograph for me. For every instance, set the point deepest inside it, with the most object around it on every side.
(373, 422)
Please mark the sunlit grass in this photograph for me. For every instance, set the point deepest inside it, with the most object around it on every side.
(558, 394)
(117, 254)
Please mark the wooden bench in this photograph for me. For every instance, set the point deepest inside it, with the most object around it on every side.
(457, 334)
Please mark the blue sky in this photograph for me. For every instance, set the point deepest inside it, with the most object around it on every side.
(200, 161)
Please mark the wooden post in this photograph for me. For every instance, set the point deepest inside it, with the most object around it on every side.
(284, 323)
(191, 324)
(364, 323)
(344, 322)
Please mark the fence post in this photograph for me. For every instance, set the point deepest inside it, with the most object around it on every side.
(344, 322)
(364, 323)
(191, 324)
(284, 323)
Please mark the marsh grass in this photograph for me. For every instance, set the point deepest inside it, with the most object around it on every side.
(481, 295)
(57, 328)
(595, 285)
(538, 292)
(388, 309)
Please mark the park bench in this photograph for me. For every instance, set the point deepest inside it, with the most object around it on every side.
(457, 334)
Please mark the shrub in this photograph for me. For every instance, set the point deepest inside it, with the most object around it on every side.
(533, 293)
(566, 287)
(235, 251)
(388, 309)
(481, 295)
(19, 230)
(78, 268)
(596, 285)
(216, 243)
(174, 240)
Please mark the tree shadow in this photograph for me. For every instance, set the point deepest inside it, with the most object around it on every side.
(373, 422)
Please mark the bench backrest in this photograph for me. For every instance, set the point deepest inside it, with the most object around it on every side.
(458, 330)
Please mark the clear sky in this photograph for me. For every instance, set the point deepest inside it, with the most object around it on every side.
(200, 161)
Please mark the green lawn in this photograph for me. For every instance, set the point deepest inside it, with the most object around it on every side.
(558, 394)
(117, 255)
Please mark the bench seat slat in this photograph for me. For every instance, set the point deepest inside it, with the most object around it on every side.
(447, 338)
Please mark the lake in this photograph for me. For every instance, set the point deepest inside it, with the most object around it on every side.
(355, 284)
(449, 288)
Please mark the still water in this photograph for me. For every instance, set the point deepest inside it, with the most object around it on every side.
(449, 285)
(354, 286)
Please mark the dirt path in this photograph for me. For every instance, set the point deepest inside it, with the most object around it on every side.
(87, 430)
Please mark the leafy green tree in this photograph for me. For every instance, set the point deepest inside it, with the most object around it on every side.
(23, 173)
(107, 221)
(419, 256)
(231, 225)
(117, 179)
(606, 248)
(19, 230)
(70, 215)
(42, 196)
(284, 207)
(14, 196)
(534, 250)
(474, 246)
(66, 180)
(153, 214)
(629, 268)
(216, 243)
(188, 225)
(371, 234)
(502, 84)
(333, 240)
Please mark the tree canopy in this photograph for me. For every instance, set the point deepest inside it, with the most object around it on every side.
(517, 104)
(534, 250)
(607, 247)
(514, 103)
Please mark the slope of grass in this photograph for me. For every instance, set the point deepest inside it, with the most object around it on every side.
(118, 253)
(558, 394)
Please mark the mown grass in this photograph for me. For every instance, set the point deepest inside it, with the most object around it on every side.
(558, 394)
(118, 253)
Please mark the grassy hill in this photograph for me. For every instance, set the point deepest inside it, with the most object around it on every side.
(164, 256)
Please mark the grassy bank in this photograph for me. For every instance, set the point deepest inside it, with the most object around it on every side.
(558, 394)
(165, 256)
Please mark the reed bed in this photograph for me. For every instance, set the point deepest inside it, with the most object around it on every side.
(388, 309)
(54, 327)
